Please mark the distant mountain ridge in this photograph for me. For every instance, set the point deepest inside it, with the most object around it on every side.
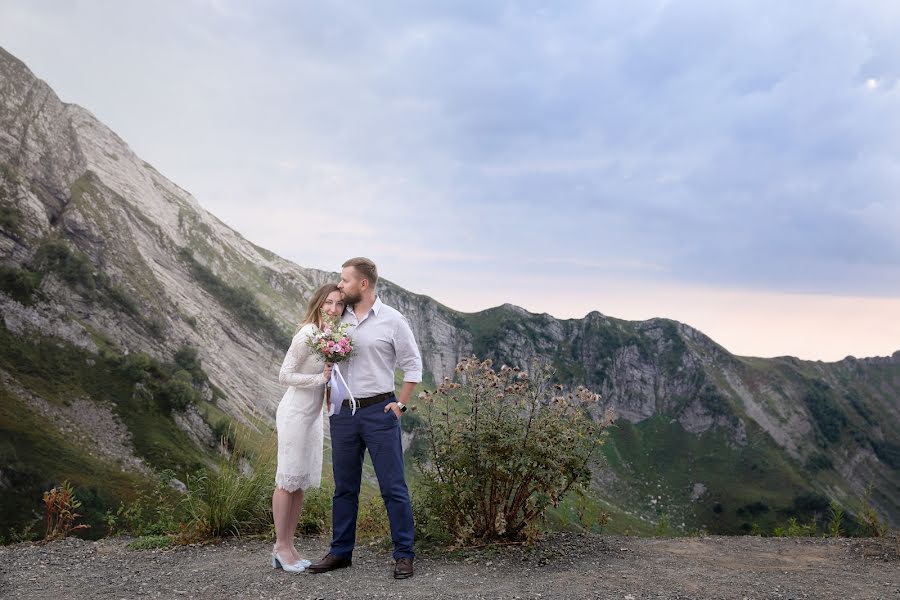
(103, 259)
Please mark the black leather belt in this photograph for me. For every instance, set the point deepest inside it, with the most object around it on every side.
(364, 402)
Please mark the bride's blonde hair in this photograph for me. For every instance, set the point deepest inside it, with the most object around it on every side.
(314, 309)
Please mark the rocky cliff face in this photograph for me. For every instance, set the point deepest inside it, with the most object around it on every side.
(66, 176)
(102, 253)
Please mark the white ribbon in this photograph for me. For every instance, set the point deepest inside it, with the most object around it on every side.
(339, 391)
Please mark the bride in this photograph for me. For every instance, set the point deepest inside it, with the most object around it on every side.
(298, 422)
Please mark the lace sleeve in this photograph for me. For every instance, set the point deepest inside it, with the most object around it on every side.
(290, 369)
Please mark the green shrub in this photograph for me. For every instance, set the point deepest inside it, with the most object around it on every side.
(177, 394)
(502, 449)
(19, 284)
(589, 514)
(188, 359)
(171, 387)
(372, 523)
(663, 527)
(11, 219)
(28, 533)
(120, 296)
(713, 400)
(156, 511)
(8, 173)
(140, 366)
(71, 265)
(315, 518)
(156, 327)
(431, 529)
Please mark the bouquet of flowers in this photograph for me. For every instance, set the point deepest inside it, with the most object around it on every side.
(332, 342)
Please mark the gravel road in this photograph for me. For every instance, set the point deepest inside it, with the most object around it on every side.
(561, 566)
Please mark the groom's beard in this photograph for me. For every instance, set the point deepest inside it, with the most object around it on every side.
(351, 299)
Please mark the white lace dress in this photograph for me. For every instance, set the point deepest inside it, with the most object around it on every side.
(298, 419)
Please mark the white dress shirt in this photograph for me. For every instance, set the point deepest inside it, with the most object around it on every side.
(382, 341)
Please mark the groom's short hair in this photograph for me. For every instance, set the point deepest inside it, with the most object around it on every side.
(364, 267)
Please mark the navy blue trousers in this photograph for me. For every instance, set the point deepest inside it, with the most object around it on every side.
(351, 435)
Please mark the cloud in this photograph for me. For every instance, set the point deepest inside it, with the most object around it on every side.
(746, 145)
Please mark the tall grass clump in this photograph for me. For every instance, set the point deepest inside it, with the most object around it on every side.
(835, 520)
(502, 448)
(795, 528)
(872, 525)
(235, 498)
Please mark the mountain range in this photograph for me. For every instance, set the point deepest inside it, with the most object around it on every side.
(136, 326)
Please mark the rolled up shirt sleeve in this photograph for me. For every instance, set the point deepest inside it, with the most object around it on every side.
(408, 358)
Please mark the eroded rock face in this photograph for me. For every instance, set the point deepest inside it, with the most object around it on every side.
(44, 320)
(441, 341)
(193, 424)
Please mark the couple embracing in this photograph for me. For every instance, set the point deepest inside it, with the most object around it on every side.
(382, 341)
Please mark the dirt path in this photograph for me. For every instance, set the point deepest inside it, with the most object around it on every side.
(563, 566)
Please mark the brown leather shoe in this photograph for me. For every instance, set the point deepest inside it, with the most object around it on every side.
(329, 563)
(403, 568)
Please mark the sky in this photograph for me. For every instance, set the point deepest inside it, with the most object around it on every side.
(732, 165)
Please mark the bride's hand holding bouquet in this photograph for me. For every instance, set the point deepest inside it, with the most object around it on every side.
(332, 343)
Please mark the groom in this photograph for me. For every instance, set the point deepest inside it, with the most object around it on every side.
(382, 341)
